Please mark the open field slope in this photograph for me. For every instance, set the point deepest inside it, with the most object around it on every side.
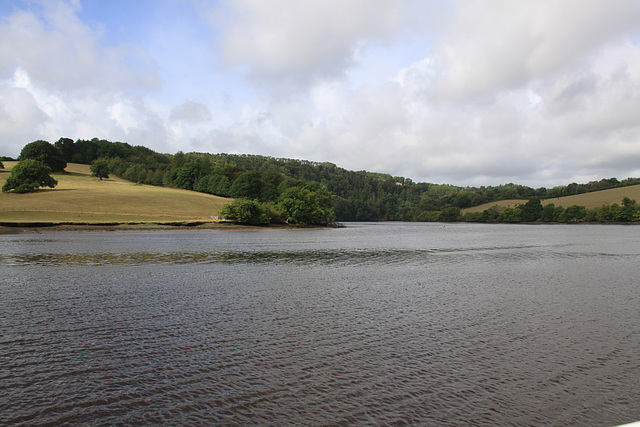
(79, 198)
(588, 200)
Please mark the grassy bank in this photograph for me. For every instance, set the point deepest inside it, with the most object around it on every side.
(79, 198)
(588, 200)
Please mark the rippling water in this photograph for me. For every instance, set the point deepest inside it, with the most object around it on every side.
(368, 324)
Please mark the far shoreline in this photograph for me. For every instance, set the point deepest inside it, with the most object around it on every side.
(43, 227)
(71, 227)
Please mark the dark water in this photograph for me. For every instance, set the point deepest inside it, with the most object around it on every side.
(370, 324)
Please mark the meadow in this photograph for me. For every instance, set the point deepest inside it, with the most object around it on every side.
(80, 198)
(589, 200)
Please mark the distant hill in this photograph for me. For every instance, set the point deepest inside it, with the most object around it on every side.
(80, 198)
(588, 200)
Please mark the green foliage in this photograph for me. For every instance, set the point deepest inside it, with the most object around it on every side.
(511, 215)
(1, 165)
(629, 211)
(450, 214)
(551, 213)
(244, 212)
(135, 173)
(573, 213)
(217, 184)
(27, 176)
(301, 205)
(248, 186)
(490, 215)
(532, 210)
(100, 169)
(46, 153)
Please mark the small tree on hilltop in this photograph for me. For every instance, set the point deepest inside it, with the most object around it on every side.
(46, 153)
(100, 169)
(27, 176)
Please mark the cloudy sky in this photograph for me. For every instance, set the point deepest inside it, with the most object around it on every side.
(463, 92)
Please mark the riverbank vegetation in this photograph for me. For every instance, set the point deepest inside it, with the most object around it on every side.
(294, 191)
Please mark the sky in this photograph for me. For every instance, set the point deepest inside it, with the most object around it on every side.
(463, 92)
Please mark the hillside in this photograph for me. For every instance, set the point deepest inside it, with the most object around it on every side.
(588, 200)
(80, 198)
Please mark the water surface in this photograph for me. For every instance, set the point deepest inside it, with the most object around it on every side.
(370, 324)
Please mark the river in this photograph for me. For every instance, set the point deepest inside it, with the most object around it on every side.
(371, 324)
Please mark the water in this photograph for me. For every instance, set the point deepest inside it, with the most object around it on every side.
(369, 324)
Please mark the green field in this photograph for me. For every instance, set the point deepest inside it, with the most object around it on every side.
(588, 200)
(79, 198)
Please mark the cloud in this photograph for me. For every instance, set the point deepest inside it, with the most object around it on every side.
(294, 44)
(460, 92)
(190, 112)
(60, 52)
(499, 44)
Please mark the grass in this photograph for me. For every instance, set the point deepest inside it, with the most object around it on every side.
(588, 200)
(79, 198)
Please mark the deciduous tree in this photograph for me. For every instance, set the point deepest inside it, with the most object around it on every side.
(46, 153)
(27, 176)
(100, 169)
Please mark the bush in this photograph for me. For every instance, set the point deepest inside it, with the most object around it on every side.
(244, 212)
(573, 213)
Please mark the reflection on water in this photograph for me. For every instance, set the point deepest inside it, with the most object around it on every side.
(326, 256)
(370, 324)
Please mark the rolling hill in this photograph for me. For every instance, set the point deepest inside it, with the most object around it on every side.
(588, 200)
(79, 198)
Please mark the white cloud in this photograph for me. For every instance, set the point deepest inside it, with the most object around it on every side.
(291, 45)
(190, 112)
(496, 44)
(58, 51)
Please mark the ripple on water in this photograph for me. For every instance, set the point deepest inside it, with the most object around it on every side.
(540, 333)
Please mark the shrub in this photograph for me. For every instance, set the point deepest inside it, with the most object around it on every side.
(244, 212)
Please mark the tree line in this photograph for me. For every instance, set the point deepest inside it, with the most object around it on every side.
(277, 189)
(534, 211)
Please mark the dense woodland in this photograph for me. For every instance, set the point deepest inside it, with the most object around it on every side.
(299, 191)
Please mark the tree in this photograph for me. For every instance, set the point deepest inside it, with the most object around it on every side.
(135, 173)
(244, 212)
(100, 169)
(532, 210)
(573, 213)
(450, 214)
(305, 206)
(27, 176)
(247, 186)
(66, 147)
(46, 153)
(550, 212)
(511, 214)
(1, 165)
